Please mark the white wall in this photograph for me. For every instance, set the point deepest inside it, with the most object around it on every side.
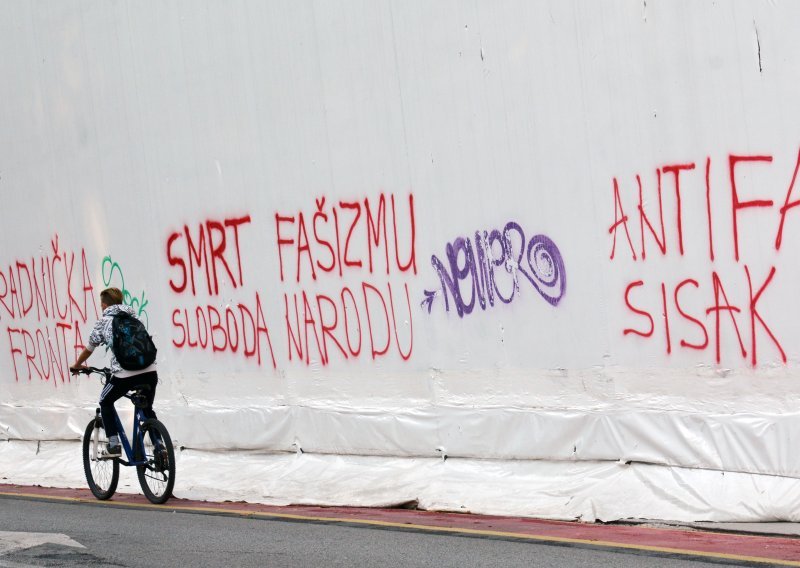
(126, 127)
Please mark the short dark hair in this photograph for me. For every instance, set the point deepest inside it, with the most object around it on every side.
(111, 296)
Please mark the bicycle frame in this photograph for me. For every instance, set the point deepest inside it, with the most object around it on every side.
(137, 435)
(153, 458)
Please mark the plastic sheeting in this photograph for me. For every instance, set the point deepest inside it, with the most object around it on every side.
(586, 491)
(743, 442)
(492, 117)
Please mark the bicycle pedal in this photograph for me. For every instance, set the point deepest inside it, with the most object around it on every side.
(107, 453)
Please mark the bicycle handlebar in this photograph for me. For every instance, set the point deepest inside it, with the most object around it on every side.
(105, 371)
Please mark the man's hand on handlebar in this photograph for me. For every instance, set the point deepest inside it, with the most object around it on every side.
(79, 366)
(85, 370)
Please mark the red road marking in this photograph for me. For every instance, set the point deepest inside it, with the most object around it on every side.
(751, 548)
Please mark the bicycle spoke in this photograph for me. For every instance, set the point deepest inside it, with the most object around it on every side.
(156, 475)
(101, 474)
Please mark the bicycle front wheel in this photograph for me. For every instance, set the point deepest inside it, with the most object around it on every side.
(157, 475)
(102, 474)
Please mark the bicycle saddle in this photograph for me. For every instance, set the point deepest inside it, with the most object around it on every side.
(138, 398)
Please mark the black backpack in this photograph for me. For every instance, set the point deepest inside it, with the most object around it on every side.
(131, 344)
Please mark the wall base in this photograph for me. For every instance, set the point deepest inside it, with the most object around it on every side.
(585, 491)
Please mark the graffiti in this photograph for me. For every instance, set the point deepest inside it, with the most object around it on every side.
(57, 289)
(491, 267)
(737, 166)
(108, 269)
(196, 254)
(227, 330)
(329, 242)
(364, 238)
(342, 235)
(720, 310)
(348, 319)
(739, 316)
(209, 260)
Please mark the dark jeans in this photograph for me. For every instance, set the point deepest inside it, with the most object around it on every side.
(115, 388)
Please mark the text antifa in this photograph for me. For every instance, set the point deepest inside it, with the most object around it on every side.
(720, 309)
(209, 258)
(58, 289)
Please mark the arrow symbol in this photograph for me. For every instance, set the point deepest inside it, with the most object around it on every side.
(429, 297)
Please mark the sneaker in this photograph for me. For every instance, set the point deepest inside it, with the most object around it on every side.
(114, 451)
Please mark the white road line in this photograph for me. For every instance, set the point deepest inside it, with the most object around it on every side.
(13, 541)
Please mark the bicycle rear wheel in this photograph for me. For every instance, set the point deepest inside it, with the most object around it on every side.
(102, 474)
(157, 476)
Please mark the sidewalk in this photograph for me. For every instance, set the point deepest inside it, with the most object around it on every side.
(787, 530)
(767, 543)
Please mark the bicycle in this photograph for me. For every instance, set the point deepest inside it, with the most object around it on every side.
(151, 452)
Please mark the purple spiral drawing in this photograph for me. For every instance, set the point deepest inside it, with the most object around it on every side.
(547, 269)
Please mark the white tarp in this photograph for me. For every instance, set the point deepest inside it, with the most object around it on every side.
(583, 490)
(726, 442)
(510, 233)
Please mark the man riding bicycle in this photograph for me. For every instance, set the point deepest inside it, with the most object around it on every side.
(121, 380)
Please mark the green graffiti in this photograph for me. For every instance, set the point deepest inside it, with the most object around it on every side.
(138, 303)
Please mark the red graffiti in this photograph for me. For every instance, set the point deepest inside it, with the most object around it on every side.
(234, 329)
(205, 261)
(320, 327)
(212, 250)
(366, 236)
(47, 298)
(740, 319)
(660, 232)
(348, 236)
(361, 236)
(720, 317)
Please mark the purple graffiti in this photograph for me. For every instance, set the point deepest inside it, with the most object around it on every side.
(477, 268)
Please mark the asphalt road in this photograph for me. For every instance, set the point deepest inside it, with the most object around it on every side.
(38, 533)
